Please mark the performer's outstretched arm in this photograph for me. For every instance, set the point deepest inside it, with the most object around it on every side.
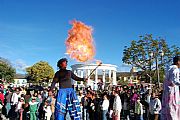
(73, 76)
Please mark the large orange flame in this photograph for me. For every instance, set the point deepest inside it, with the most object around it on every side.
(79, 44)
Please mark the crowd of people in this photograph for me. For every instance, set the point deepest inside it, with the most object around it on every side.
(122, 102)
(137, 102)
(134, 102)
(24, 104)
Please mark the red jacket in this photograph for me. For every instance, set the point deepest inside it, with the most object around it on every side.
(2, 97)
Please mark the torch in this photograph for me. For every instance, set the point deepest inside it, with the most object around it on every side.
(94, 69)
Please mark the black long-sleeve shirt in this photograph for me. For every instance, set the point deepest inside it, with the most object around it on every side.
(64, 76)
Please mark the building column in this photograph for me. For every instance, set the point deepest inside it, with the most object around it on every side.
(104, 79)
(96, 79)
(88, 73)
(114, 78)
(79, 73)
(110, 77)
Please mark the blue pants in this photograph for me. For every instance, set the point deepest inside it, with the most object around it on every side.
(104, 113)
(139, 117)
(8, 107)
(67, 102)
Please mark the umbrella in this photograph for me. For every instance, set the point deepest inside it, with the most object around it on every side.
(39, 88)
(36, 87)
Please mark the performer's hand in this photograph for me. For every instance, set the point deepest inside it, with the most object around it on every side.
(86, 80)
(115, 112)
(172, 84)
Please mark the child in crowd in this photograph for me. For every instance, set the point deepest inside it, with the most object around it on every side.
(154, 107)
(33, 108)
(105, 106)
(19, 108)
(47, 109)
(138, 109)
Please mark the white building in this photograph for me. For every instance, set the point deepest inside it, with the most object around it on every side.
(107, 71)
(20, 82)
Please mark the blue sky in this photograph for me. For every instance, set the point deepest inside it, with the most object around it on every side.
(34, 30)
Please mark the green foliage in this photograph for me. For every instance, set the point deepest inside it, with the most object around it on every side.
(122, 82)
(41, 71)
(147, 51)
(7, 72)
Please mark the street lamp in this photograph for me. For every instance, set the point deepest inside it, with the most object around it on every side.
(161, 53)
(157, 65)
(151, 56)
(157, 69)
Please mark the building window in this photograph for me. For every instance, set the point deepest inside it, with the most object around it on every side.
(18, 82)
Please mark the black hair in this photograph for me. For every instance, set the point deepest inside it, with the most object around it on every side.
(60, 61)
(176, 59)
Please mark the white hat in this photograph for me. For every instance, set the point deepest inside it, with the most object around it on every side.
(33, 97)
(22, 98)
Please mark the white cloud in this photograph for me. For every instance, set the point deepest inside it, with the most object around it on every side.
(20, 65)
(125, 65)
(124, 68)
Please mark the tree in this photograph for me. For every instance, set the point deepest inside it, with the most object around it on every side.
(123, 82)
(147, 52)
(40, 71)
(7, 72)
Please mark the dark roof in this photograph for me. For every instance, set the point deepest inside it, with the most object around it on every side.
(20, 76)
(125, 74)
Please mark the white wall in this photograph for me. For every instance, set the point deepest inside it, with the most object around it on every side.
(20, 82)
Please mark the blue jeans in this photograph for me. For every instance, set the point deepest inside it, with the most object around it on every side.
(8, 107)
(104, 113)
(139, 117)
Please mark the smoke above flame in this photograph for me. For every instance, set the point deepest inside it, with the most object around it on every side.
(79, 44)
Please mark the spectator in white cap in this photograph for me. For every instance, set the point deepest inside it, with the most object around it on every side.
(19, 107)
(33, 108)
(47, 109)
